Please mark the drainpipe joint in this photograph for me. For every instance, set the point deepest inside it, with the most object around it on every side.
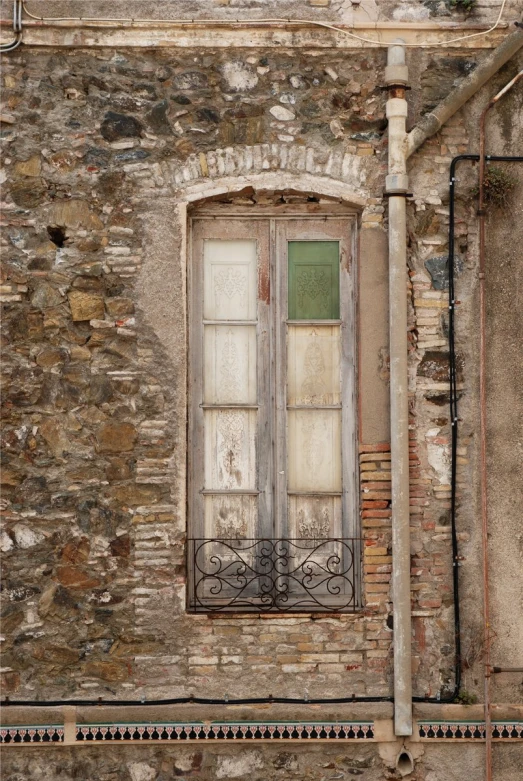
(396, 107)
(396, 74)
(396, 184)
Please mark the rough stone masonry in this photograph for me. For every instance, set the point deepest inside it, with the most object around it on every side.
(100, 148)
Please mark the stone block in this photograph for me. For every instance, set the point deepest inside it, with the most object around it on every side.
(76, 551)
(54, 356)
(74, 213)
(86, 305)
(56, 438)
(121, 546)
(76, 578)
(30, 167)
(116, 437)
(59, 655)
(10, 682)
(107, 671)
(45, 296)
(29, 194)
(116, 126)
(117, 307)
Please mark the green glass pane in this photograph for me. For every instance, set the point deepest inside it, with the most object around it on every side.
(314, 280)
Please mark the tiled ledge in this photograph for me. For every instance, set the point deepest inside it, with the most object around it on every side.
(189, 732)
(469, 730)
(157, 732)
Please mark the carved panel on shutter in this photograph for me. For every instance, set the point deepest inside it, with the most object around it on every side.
(314, 270)
(315, 517)
(230, 364)
(313, 365)
(230, 449)
(229, 280)
(314, 450)
(230, 517)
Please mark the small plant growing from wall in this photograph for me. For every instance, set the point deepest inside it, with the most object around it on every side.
(466, 698)
(498, 185)
(462, 5)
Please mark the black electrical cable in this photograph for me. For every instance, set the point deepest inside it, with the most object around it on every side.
(195, 701)
(453, 403)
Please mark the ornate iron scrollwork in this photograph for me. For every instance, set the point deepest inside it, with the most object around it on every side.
(273, 575)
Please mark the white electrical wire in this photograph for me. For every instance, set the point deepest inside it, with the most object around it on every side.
(17, 29)
(264, 21)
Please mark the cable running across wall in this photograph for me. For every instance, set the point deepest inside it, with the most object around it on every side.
(313, 22)
(17, 29)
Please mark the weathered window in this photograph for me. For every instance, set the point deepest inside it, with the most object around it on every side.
(272, 466)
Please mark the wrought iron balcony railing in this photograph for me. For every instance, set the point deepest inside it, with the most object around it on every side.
(273, 575)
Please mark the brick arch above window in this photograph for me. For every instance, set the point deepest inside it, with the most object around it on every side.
(255, 163)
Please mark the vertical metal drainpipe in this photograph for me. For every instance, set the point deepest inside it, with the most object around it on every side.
(396, 76)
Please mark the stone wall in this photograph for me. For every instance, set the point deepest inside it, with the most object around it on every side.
(95, 480)
(159, 763)
(341, 11)
(104, 151)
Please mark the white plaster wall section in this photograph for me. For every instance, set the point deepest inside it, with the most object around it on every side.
(140, 771)
(408, 13)
(238, 76)
(438, 456)
(215, 173)
(239, 767)
(162, 301)
(360, 12)
(162, 290)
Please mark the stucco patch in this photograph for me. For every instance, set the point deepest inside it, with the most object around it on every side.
(238, 76)
(239, 766)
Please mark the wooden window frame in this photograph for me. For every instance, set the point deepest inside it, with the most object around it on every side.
(287, 223)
